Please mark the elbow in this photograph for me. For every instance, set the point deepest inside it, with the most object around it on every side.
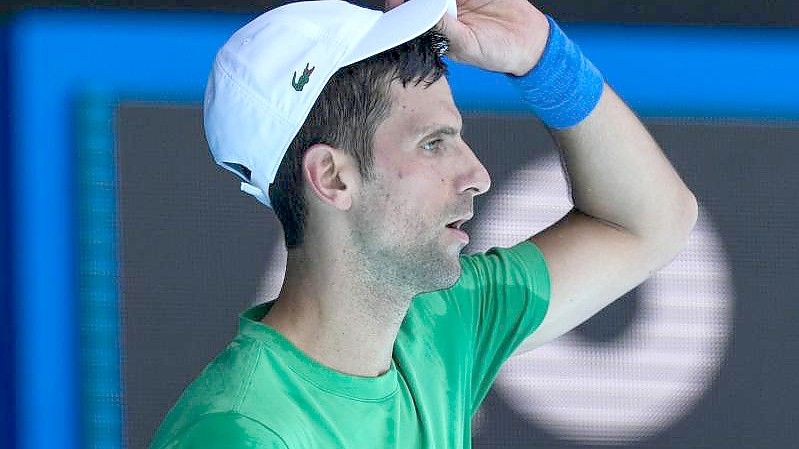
(675, 229)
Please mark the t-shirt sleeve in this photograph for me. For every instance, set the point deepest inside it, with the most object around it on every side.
(226, 431)
(506, 291)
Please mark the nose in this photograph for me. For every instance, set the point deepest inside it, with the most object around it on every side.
(474, 177)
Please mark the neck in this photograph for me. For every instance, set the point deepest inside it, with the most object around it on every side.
(338, 312)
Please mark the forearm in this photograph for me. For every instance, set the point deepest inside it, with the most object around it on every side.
(619, 175)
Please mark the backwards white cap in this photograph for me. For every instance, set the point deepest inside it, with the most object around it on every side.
(267, 76)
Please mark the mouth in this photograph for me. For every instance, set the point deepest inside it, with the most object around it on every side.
(455, 228)
(459, 222)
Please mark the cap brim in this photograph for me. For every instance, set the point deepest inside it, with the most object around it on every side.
(397, 26)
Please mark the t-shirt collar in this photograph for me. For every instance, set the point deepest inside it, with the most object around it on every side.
(328, 379)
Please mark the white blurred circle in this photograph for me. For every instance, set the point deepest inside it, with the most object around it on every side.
(647, 378)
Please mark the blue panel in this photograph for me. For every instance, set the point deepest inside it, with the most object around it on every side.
(7, 325)
(57, 55)
(660, 71)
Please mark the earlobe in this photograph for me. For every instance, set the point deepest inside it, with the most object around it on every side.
(325, 168)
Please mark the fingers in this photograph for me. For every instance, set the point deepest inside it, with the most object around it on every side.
(451, 28)
(393, 4)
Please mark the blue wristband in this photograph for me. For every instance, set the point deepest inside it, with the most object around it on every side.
(563, 87)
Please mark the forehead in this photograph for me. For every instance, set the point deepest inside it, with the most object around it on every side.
(416, 108)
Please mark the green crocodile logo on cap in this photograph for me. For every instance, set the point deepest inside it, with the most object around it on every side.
(306, 75)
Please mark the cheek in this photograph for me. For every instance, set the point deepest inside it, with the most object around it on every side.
(422, 200)
(411, 198)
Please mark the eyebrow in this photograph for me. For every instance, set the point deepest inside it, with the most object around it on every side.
(437, 130)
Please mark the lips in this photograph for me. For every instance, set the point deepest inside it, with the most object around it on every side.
(455, 228)
(459, 222)
(460, 235)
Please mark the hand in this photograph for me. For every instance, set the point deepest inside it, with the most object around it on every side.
(506, 36)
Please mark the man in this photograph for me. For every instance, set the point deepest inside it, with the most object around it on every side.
(382, 335)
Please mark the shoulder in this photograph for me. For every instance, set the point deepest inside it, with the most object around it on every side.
(210, 403)
(510, 281)
(522, 264)
(225, 430)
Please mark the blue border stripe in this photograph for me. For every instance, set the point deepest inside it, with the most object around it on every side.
(660, 71)
(672, 71)
(101, 352)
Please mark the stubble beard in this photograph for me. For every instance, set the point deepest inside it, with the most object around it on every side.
(402, 252)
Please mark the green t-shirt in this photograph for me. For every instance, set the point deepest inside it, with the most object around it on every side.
(263, 392)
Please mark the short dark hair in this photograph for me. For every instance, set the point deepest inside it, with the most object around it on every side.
(346, 115)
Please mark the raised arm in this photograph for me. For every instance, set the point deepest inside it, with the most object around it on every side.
(632, 213)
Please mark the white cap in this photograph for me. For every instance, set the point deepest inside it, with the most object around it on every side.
(268, 75)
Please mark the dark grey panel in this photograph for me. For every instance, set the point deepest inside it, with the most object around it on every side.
(192, 249)
(744, 175)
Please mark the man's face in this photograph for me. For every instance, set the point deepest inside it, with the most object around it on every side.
(426, 177)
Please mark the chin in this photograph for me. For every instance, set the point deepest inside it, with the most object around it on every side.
(455, 279)
(445, 279)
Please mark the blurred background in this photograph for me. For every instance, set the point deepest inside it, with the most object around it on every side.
(126, 255)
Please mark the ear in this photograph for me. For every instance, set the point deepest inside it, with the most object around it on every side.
(330, 174)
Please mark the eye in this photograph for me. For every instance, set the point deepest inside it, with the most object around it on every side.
(433, 146)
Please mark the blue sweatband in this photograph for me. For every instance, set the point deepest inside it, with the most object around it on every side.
(563, 87)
